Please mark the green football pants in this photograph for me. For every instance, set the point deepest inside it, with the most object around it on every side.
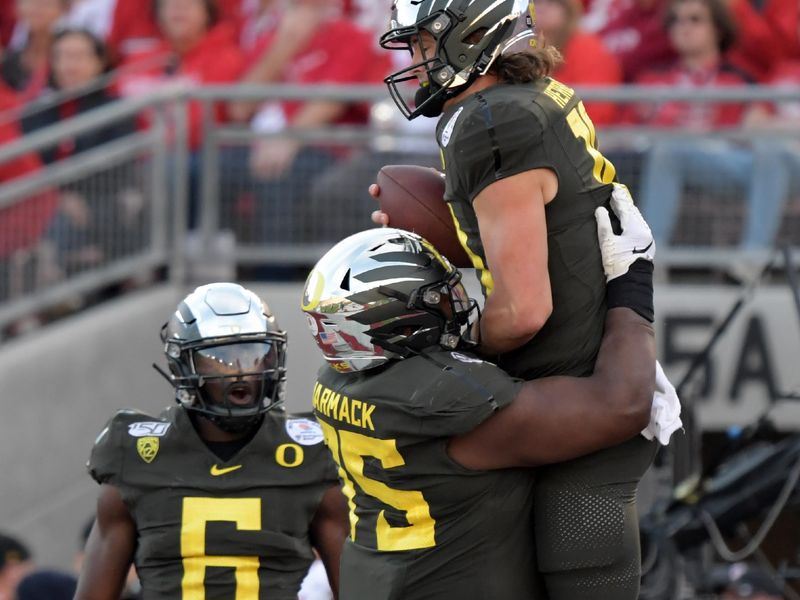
(586, 523)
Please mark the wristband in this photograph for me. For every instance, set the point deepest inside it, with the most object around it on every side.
(633, 290)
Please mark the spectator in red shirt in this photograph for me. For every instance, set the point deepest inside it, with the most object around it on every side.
(24, 68)
(701, 31)
(130, 27)
(77, 60)
(632, 30)
(369, 14)
(195, 48)
(94, 215)
(337, 53)
(785, 75)
(126, 26)
(23, 223)
(271, 36)
(7, 21)
(783, 17)
(586, 60)
(334, 52)
(769, 34)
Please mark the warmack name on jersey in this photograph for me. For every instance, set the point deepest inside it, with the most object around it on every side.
(348, 410)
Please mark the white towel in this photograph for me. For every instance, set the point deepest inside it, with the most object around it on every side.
(665, 415)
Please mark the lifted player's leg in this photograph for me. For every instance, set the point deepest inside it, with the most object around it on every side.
(586, 523)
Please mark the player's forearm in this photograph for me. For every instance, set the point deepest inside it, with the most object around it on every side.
(109, 549)
(606, 409)
(103, 573)
(505, 326)
(554, 419)
(328, 531)
(625, 368)
(98, 587)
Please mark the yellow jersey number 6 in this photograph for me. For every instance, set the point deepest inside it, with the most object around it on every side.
(246, 514)
(349, 449)
(583, 128)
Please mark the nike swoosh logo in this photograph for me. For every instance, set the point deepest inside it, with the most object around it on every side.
(635, 251)
(216, 471)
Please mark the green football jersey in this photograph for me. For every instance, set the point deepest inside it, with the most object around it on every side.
(509, 129)
(211, 529)
(423, 526)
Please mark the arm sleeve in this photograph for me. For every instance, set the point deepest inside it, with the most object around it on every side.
(494, 142)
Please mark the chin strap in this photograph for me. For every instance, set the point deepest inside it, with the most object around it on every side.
(164, 374)
(436, 99)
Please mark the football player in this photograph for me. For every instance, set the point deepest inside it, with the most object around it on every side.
(223, 495)
(429, 437)
(523, 179)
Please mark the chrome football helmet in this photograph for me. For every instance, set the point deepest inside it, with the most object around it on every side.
(470, 35)
(384, 294)
(226, 355)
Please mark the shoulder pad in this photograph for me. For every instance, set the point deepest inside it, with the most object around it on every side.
(463, 392)
(105, 460)
(490, 142)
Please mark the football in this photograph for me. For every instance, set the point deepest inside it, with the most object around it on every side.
(413, 198)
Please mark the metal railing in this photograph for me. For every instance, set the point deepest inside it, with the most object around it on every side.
(292, 220)
(119, 208)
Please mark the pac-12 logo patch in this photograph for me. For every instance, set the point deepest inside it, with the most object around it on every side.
(154, 428)
(147, 447)
(447, 132)
(305, 432)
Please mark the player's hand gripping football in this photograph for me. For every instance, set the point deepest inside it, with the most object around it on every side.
(378, 217)
(634, 243)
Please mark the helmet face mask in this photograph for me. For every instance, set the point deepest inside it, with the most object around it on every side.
(381, 295)
(226, 355)
(432, 93)
(469, 36)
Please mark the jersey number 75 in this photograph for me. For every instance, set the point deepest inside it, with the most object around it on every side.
(349, 450)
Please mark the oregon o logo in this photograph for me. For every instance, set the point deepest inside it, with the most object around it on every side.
(289, 455)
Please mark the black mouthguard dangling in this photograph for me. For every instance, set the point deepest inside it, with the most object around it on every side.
(433, 106)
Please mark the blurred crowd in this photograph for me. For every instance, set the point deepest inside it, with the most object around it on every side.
(22, 577)
(61, 59)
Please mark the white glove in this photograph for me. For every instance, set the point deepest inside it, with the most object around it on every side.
(636, 240)
(665, 415)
